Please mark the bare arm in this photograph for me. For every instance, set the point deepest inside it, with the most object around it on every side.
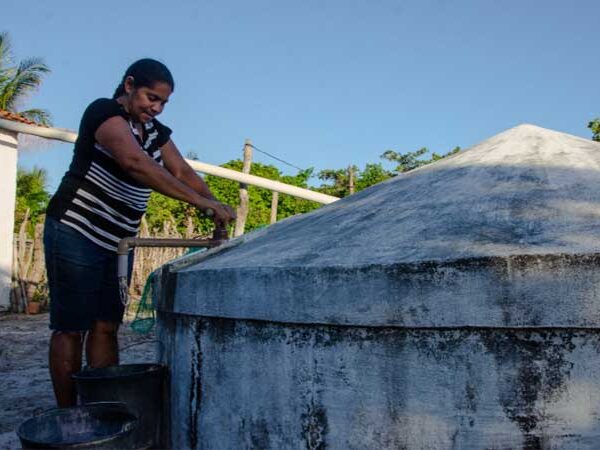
(115, 135)
(181, 170)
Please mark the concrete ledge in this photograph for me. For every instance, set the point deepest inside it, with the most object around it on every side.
(515, 291)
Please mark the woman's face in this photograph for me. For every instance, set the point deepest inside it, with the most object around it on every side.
(145, 103)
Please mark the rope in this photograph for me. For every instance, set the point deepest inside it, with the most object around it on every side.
(275, 157)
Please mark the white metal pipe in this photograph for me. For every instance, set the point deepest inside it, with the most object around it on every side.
(70, 136)
(262, 182)
(45, 132)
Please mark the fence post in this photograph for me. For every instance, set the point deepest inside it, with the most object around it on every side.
(274, 204)
(8, 192)
(242, 211)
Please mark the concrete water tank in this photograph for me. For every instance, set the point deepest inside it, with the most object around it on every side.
(453, 307)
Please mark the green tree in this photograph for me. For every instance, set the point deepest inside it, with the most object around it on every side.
(20, 80)
(339, 182)
(290, 205)
(161, 208)
(412, 160)
(370, 175)
(405, 161)
(336, 183)
(436, 157)
(594, 125)
(259, 211)
(32, 197)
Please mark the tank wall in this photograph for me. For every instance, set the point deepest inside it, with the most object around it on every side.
(525, 290)
(248, 384)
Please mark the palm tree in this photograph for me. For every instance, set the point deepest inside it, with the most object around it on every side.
(32, 197)
(594, 125)
(16, 82)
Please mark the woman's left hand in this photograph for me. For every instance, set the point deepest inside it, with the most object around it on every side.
(222, 214)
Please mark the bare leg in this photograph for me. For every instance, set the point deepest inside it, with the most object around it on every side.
(102, 347)
(65, 360)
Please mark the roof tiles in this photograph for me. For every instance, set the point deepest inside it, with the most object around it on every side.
(16, 118)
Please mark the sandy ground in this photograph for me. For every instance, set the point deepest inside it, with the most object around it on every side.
(25, 381)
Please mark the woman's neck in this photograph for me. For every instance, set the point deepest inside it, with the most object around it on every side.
(123, 101)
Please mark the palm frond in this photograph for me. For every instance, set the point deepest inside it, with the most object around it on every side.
(40, 116)
(18, 81)
(5, 59)
(5, 76)
(5, 51)
(33, 65)
(26, 78)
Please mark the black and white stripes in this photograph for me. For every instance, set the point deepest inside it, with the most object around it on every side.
(97, 198)
(132, 196)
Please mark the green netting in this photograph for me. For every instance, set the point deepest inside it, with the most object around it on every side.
(145, 316)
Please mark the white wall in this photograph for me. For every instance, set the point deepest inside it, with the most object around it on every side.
(8, 186)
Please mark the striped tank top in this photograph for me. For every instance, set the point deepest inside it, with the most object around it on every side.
(96, 197)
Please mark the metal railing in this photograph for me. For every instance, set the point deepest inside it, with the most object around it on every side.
(209, 169)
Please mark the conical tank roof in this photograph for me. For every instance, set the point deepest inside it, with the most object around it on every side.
(527, 192)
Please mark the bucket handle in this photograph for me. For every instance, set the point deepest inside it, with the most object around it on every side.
(161, 344)
(40, 411)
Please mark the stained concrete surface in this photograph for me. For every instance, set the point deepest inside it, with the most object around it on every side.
(527, 190)
(455, 306)
(256, 385)
(515, 213)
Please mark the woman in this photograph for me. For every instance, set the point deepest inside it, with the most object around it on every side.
(121, 154)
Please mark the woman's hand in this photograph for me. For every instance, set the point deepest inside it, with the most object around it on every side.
(222, 214)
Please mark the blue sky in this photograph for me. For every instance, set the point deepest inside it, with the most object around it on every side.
(320, 83)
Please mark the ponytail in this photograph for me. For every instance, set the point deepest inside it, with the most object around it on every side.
(119, 91)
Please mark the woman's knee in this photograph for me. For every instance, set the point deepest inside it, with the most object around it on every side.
(106, 328)
(74, 337)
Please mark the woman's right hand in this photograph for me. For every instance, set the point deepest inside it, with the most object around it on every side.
(222, 214)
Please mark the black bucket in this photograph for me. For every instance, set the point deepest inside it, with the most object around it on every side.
(104, 425)
(140, 386)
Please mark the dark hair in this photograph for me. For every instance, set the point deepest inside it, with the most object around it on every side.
(145, 73)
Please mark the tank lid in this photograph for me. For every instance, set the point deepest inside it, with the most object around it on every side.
(527, 190)
(528, 194)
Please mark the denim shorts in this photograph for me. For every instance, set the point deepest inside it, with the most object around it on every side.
(82, 279)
